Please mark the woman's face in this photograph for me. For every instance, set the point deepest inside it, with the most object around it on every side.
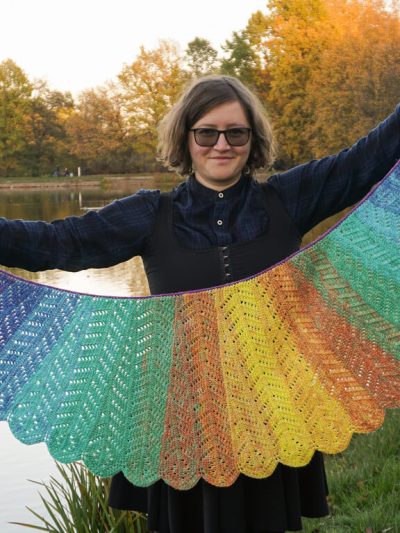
(220, 166)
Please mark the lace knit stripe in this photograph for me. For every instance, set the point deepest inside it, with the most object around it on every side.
(216, 382)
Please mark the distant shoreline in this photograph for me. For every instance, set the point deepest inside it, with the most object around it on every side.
(50, 185)
(85, 182)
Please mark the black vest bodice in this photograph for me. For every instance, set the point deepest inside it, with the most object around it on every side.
(170, 267)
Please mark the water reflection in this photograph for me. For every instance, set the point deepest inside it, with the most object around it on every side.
(120, 280)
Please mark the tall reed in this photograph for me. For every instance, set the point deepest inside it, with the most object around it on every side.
(77, 503)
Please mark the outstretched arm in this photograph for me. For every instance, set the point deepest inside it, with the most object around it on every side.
(98, 239)
(316, 190)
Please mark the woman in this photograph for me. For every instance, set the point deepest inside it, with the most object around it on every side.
(218, 226)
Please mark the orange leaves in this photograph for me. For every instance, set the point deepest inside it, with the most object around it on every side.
(334, 69)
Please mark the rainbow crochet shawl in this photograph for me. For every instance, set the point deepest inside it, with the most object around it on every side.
(219, 381)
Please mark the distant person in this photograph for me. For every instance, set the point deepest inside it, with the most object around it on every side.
(222, 225)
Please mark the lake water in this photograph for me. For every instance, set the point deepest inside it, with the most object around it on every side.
(18, 462)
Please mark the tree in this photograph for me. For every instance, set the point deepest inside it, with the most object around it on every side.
(97, 131)
(257, 35)
(15, 93)
(363, 62)
(240, 58)
(327, 70)
(295, 40)
(201, 57)
(150, 85)
(48, 113)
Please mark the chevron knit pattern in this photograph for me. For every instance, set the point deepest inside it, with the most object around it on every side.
(216, 382)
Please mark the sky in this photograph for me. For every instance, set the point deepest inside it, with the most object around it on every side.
(80, 44)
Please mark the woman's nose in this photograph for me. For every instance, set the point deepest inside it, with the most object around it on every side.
(222, 143)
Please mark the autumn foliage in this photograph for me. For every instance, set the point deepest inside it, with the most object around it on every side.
(326, 70)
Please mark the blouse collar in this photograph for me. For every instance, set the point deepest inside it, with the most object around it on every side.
(198, 190)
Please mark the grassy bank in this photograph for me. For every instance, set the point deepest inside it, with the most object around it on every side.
(364, 484)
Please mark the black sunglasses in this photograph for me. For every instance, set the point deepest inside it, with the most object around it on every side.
(209, 136)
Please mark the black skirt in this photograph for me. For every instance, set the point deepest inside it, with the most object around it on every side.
(276, 503)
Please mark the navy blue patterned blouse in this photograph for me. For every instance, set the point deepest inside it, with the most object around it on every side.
(203, 217)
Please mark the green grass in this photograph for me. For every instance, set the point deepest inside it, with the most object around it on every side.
(364, 484)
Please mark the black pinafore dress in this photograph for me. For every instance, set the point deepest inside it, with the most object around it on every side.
(249, 505)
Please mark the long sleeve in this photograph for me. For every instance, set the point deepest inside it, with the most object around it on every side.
(316, 190)
(98, 239)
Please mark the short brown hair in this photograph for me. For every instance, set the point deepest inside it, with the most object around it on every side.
(202, 95)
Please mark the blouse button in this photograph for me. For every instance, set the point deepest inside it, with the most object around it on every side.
(220, 195)
(219, 222)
